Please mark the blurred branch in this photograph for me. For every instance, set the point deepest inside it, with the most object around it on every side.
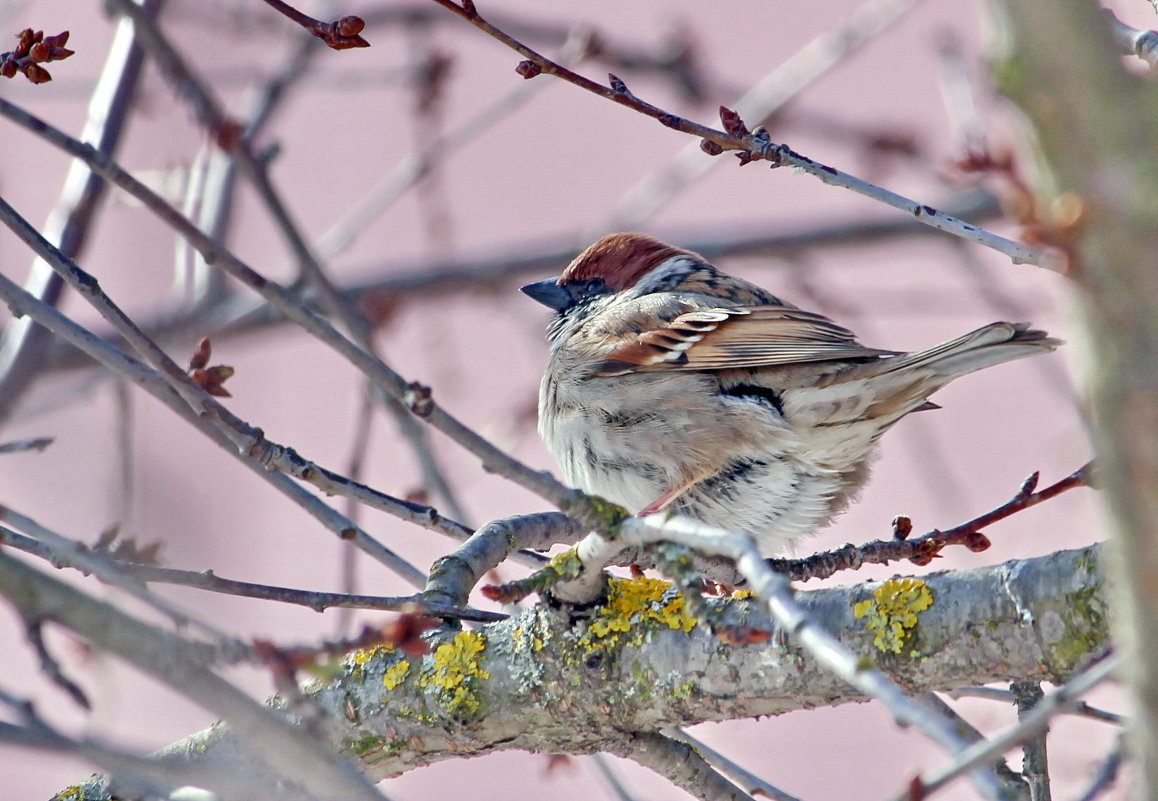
(1005, 696)
(173, 661)
(1133, 42)
(25, 345)
(21, 445)
(747, 780)
(758, 105)
(1028, 726)
(1093, 129)
(414, 396)
(255, 452)
(680, 764)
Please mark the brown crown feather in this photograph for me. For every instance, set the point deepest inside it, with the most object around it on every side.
(621, 259)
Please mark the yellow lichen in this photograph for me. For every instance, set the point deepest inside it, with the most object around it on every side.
(893, 612)
(455, 671)
(361, 657)
(395, 675)
(743, 595)
(629, 605)
(566, 564)
(72, 793)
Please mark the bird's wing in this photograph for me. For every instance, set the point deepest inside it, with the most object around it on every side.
(744, 336)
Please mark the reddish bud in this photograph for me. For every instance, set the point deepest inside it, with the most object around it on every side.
(492, 592)
(36, 73)
(8, 68)
(528, 69)
(40, 52)
(710, 147)
(733, 124)
(200, 358)
(350, 26)
(406, 630)
(902, 527)
(60, 40)
(977, 542)
(742, 635)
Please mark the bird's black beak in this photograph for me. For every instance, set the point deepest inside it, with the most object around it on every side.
(549, 293)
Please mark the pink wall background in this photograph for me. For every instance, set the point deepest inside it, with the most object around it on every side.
(552, 170)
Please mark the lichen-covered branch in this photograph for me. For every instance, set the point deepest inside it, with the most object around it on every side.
(538, 681)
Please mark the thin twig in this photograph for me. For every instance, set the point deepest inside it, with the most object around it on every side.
(1134, 42)
(179, 663)
(758, 105)
(258, 454)
(22, 445)
(34, 631)
(415, 396)
(1107, 772)
(341, 34)
(210, 581)
(921, 550)
(1030, 726)
(61, 550)
(1035, 760)
(1005, 696)
(680, 764)
(750, 782)
(750, 145)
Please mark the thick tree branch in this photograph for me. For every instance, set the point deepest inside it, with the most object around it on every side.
(538, 681)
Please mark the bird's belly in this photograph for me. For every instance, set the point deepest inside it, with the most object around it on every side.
(743, 465)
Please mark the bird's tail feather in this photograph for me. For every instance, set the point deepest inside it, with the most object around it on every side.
(985, 347)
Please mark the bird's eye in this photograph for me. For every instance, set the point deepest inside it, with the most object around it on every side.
(593, 285)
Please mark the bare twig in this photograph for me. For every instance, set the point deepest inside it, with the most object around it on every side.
(759, 104)
(748, 781)
(178, 663)
(1134, 42)
(34, 631)
(1107, 772)
(61, 550)
(750, 145)
(1034, 761)
(922, 550)
(257, 453)
(1005, 696)
(679, 763)
(210, 581)
(21, 445)
(415, 396)
(341, 34)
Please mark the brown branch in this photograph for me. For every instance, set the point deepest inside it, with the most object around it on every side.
(341, 34)
(750, 145)
(926, 548)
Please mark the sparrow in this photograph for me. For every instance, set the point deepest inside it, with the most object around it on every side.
(672, 386)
